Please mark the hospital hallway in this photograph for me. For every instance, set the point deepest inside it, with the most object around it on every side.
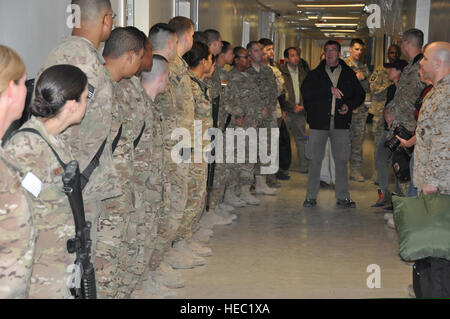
(282, 250)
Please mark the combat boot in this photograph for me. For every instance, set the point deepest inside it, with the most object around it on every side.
(225, 214)
(211, 219)
(261, 186)
(178, 259)
(157, 289)
(203, 235)
(356, 176)
(226, 207)
(193, 247)
(232, 199)
(248, 197)
(167, 276)
(198, 249)
(272, 181)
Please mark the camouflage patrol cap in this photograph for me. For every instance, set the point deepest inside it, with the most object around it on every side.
(398, 64)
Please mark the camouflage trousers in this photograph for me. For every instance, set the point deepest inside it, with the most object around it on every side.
(174, 204)
(112, 248)
(357, 135)
(226, 176)
(195, 203)
(269, 125)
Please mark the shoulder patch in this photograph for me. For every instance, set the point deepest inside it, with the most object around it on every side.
(91, 90)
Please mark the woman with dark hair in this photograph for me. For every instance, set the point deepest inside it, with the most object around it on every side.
(199, 59)
(60, 101)
(16, 224)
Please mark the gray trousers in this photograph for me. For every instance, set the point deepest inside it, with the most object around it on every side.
(382, 160)
(296, 123)
(315, 151)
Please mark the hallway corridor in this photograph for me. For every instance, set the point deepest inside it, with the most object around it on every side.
(282, 250)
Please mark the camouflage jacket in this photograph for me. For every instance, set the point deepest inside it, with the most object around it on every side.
(266, 86)
(149, 159)
(362, 68)
(17, 233)
(432, 151)
(379, 83)
(408, 91)
(52, 215)
(165, 104)
(85, 139)
(203, 109)
(184, 100)
(248, 100)
(214, 83)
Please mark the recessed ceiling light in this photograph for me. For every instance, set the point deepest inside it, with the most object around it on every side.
(327, 30)
(349, 5)
(333, 18)
(336, 24)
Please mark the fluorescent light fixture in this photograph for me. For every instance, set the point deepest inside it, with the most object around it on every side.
(333, 18)
(349, 5)
(336, 24)
(328, 30)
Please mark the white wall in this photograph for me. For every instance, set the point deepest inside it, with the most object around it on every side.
(33, 28)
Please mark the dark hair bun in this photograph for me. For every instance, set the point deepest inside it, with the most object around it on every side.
(57, 85)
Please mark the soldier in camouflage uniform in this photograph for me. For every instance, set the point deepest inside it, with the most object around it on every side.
(152, 181)
(123, 54)
(185, 106)
(267, 89)
(359, 118)
(431, 155)
(163, 40)
(214, 83)
(400, 111)
(133, 119)
(268, 59)
(379, 83)
(225, 176)
(432, 159)
(86, 139)
(52, 217)
(200, 63)
(17, 233)
(246, 115)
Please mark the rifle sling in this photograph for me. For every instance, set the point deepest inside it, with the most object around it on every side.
(95, 162)
(34, 131)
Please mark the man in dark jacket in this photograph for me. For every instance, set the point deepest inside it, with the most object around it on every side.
(294, 73)
(330, 93)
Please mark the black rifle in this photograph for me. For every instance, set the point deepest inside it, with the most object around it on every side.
(82, 281)
(212, 166)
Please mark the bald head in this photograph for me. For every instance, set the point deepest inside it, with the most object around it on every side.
(92, 10)
(435, 64)
(439, 51)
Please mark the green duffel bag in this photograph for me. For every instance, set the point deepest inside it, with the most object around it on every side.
(423, 226)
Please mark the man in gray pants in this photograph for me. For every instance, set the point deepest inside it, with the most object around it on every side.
(330, 92)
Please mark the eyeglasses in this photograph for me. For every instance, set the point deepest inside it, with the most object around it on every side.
(332, 50)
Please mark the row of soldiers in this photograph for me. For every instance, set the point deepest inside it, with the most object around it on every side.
(115, 113)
